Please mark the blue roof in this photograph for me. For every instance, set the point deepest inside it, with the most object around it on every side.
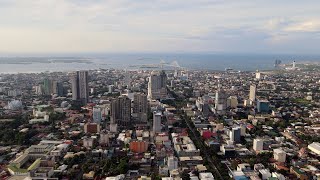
(241, 178)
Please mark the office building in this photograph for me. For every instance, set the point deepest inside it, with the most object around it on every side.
(138, 146)
(140, 107)
(220, 101)
(104, 138)
(258, 75)
(156, 122)
(157, 86)
(235, 134)
(39, 89)
(110, 88)
(279, 155)
(47, 86)
(80, 88)
(263, 106)
(252, 94)
(243, 129)
(258, 145)
(96, 114)
(91, 128)
(121, 111)
(232, 102)
(57, 88)
(54, 87)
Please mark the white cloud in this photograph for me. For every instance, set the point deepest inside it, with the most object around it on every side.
(305, 26)
(159, 25)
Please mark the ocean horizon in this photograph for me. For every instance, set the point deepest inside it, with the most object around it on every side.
(191, 61)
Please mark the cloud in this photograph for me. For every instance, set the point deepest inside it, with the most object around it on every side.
(305, 26)
(156, 25)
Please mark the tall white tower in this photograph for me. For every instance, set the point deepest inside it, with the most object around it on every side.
(252, 94)
(294, 65)
(258, 75)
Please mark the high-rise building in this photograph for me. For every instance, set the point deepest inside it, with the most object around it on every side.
(57, 88)
(232, 102)
(80, 88)
(60, 89)
(235, 134)
(96, 114)
(47, 86)
(110, 88)
(156, 122)
(258, 75)
(220, 101)
(39, 89)
(252, 94)
(121, 111)
(127, 80)
(258, 145)
(172, 163)
(104, 138)
(140, 106)
(157, 85)
(263, 106)
(294, 65)
(279, 155)
(243, 129)
(54, 87)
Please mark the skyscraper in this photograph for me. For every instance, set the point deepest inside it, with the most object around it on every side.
(57, 88)
(140, 106)
(232, 102)
(127, 80)
(252, 94)
(60, 89)
(156, 122)
(96, 115)
(47, 86)
(220, 101)
(121, 111)
(54, 87)
(235, 134)
(258, 75)
(80, 88)
(157, 85)
(263, 106)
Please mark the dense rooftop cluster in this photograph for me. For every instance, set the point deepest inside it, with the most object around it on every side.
(173, 124)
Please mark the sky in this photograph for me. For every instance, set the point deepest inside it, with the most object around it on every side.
(188, 26)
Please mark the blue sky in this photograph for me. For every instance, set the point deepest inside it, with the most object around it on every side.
(227, 26)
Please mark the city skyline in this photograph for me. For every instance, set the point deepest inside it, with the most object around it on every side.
(46, 27)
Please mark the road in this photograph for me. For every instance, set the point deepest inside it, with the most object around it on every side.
(203, 149)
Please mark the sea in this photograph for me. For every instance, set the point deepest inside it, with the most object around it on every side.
(204, 61)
